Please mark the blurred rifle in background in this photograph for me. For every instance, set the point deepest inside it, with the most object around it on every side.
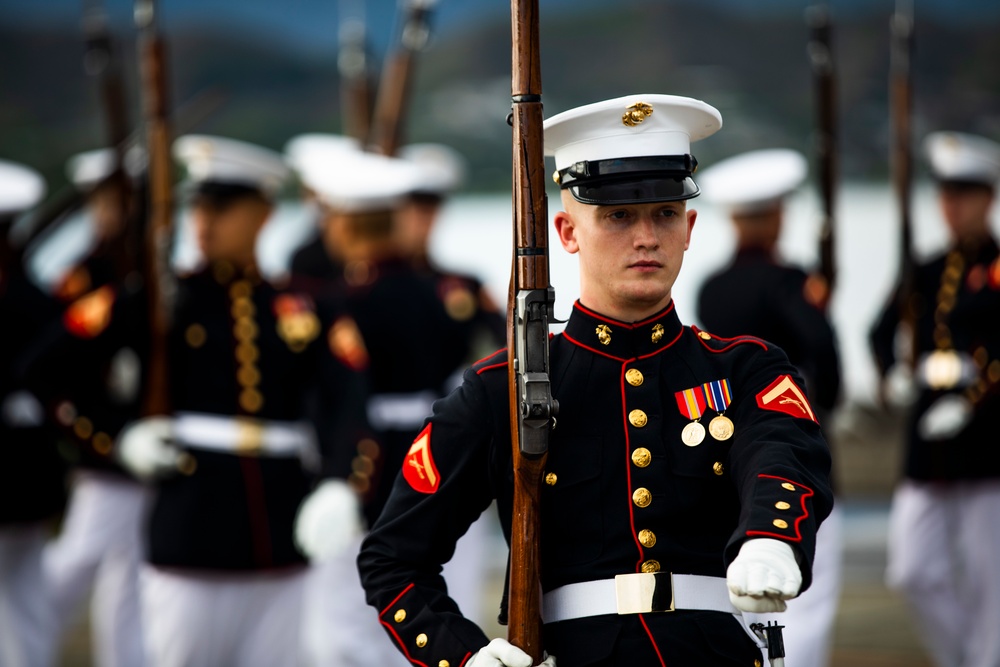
(358, 78)
(392, 102)
(821, 57)
(901, 164)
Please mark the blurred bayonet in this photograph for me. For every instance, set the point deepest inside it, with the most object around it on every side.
(358, 77)
(393, 98)
(821, 57)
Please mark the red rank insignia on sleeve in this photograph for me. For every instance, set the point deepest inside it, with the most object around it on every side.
(418, 466)
(783, 395)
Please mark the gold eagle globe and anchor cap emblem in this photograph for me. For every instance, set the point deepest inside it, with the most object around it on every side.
(636, 113)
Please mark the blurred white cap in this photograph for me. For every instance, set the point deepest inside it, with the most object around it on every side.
(87, 169)
(630, 149)
(223, 161)
(754, 181)
(21, 187)
(354, 181)
(441, 169)
(968, 158)
(315, 147)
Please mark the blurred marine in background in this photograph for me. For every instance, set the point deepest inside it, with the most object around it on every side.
(944, 530)
(759, 295)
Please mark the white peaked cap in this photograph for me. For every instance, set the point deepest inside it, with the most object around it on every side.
(317, 146)
(357, 182)
(600, 131)
(228, 161)
(955, 156)
(87, 169)
(754, 181)
(21, 187)
(441, 169)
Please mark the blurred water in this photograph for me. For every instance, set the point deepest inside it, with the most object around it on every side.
(474, 236)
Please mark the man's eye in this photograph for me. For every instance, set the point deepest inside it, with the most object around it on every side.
(618, 215)
(668, 213)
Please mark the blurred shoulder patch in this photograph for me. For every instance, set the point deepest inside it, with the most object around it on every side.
(73, 285)
(347, 344)
(90, 315)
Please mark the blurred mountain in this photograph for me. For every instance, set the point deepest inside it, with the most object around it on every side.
(751, 65)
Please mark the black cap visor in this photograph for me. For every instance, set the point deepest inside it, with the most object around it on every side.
(631, 180)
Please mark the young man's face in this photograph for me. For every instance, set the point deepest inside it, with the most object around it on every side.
(228, 232)
(965, 209)
(630, 254)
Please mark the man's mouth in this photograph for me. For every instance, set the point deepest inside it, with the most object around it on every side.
(646, 264)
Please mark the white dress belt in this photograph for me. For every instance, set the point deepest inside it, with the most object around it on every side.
(400, 412)
(243, 435)
(637, 593)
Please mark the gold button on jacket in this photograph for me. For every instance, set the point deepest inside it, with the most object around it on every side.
(634, 377)
(641, 457)
(637, 418)
(642, 497)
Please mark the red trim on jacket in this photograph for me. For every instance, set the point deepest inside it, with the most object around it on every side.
(489, 368)
(652, 640)
(733, 341)
(805, 512)
(634, 325)
(391, 631)
(490, 356)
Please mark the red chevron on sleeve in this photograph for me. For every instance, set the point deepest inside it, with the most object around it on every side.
(419, 469)
(783, 395)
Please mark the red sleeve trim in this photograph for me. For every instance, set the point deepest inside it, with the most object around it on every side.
(733, 342)
(392, 631)
(809, 493)
(491, 367)
(466, 659)
(490, 356)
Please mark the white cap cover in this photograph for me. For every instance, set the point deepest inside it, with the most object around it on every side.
(630, 149)
(441, 169)
(228, 161)
(21, 187)
(955, 156)
(316, 146)
(87, 169)
(754, 181)
(356, 181)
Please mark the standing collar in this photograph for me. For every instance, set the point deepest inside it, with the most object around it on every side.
(621, 340)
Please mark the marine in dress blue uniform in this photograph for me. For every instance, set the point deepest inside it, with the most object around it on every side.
(632, 490)
(943, 537)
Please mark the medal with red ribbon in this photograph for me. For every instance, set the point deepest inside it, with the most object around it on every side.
(692, 405)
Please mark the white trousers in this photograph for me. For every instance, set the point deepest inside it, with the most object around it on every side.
(231, 620)
(944, 558)
(26, 618)
(99, 550)
(810, 618)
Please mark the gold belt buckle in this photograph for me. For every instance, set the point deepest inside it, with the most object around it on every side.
(249, 437)
(644, 592)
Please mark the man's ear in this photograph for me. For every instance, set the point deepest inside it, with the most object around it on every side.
(566, 229)
(692, 216)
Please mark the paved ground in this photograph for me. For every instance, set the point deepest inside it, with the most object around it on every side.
(873, 628)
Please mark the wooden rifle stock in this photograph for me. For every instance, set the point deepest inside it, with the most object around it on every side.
(392, 101)
(157, 275)
(901, 162)
(821, 56)
(529, 310)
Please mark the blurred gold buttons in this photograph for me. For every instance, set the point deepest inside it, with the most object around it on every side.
(647, 538)
(780, 523)
(651, 566)
(83, 428)
(399, 616)
(242, 307)
(782, 505)
(102, 443)
(247, 353)
(239, 289)
(790, 487)
(756, 663)
(245, 329)
(251, 400)
(633, 376)
(444, 663)
(642, 497)
(195, 336)
(248, 375)
(641, 457)
(551, 479)
(704, 335)
(718, 468)
(421, 640)
(637, 418)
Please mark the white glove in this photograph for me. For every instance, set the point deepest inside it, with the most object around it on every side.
(763, 575)
(328, 520)
(945, 418)
(501, 653)
(144, 448)
(900, 387)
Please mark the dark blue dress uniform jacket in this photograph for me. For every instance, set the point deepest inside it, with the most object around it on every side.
(706, 500)
(963, 304)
